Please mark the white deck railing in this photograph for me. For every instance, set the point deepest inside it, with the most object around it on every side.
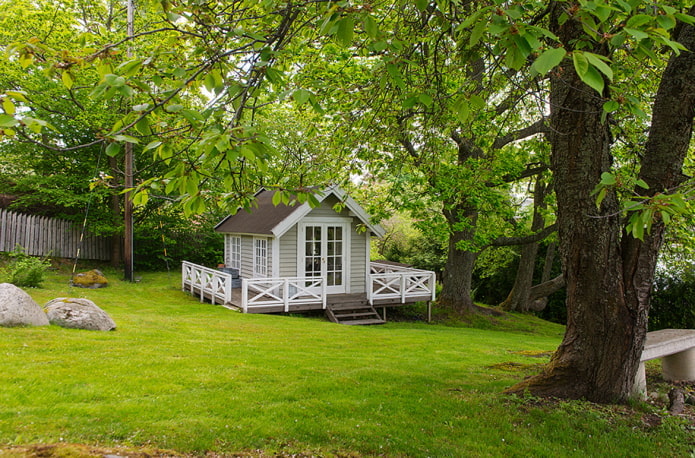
(386, 282)
(262, 293)
(207, 283)
(389, 281)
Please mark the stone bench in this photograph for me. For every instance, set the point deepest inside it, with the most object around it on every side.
(676, 348)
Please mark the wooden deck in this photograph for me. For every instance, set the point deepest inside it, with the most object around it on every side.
(390, 286)
(332, 300)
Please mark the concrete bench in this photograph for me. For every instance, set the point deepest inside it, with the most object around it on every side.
(676, 348)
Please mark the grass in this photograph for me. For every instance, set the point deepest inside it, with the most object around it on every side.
(197, 378)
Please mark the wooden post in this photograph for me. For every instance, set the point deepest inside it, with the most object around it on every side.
(429, 311)
(245, 295)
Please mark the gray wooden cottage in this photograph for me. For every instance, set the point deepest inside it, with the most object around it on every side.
(293, 258)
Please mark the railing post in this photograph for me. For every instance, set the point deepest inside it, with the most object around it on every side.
(245, 295)
(403, 276)
(370, 289)
(323, 293)
(286, 294)
(228, 290)
(433, 285)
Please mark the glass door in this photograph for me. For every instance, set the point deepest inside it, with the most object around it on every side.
(324, 254)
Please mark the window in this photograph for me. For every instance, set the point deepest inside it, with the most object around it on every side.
(233, 252)
(260, 257)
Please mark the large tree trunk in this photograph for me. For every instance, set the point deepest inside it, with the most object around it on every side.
(458, 271)
(608, 274)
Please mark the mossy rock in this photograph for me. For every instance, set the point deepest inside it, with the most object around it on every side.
(92, 279)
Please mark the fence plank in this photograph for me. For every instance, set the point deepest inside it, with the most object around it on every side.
(43, 236)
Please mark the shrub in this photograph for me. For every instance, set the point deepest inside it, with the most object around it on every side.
(26, 271)
(673, 303)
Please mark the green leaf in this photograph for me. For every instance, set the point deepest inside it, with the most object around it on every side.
(346, 27)
(610, 106)
(173, 108)
(477, 102)
(550, 59)
(8, 106)
(477, 33)
(7, 121)
(152, 145)
(638, 20)
(370, 26)
(274, 76)
(395, 74)
(666, 21)
(277, 198)
(425, 99)
(114, 80)
(636, 34)
(67, 79)
(113, 149)
(143, 126)
(608, 179)
(599, 62)
(422, 4)
(125, 138)
(593, 79)
(301, 96)
(581, 64)
(17, 95)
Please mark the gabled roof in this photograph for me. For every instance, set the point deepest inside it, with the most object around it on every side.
(269, 219)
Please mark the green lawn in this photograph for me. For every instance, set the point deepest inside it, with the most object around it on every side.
(193, 378)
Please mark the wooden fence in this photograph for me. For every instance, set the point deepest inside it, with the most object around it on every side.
(43, 236)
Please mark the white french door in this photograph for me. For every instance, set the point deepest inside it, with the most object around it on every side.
(323, 253)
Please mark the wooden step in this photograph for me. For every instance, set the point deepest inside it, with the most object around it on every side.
(364, 322)
(353, 313)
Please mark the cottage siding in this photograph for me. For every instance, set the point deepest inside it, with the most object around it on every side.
(358, 259)
(246, 256)
(288, 254)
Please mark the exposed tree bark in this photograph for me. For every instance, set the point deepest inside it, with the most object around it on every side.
(458, 271)
(608, 273)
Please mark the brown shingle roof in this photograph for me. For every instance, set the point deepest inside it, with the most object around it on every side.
(257, 220)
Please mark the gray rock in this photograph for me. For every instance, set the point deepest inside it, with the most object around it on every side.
(78, 313)
(17, 308)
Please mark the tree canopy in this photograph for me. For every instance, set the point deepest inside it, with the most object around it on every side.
(447, 105)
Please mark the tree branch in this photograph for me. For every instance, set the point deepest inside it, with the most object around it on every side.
(526, 239)
(538, 127)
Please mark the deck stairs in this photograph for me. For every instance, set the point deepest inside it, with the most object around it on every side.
(352, 309)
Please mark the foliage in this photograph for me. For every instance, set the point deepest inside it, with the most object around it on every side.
(166, 237)
(25, 271)
(412, 244)
(199, 379)
(673, 302)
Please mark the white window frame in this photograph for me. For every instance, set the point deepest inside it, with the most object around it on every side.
(233, 251)
(260, 257)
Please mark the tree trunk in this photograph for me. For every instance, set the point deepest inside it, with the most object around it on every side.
(116, 238)
(458, 271)
(518, 298)
(608, 275)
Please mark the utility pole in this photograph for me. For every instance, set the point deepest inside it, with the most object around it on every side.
(128, 202)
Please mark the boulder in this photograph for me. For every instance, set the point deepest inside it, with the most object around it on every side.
(17, 308)
(92, 279)
(78, 313)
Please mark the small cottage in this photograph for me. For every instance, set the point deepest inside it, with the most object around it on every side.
(293, 258)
